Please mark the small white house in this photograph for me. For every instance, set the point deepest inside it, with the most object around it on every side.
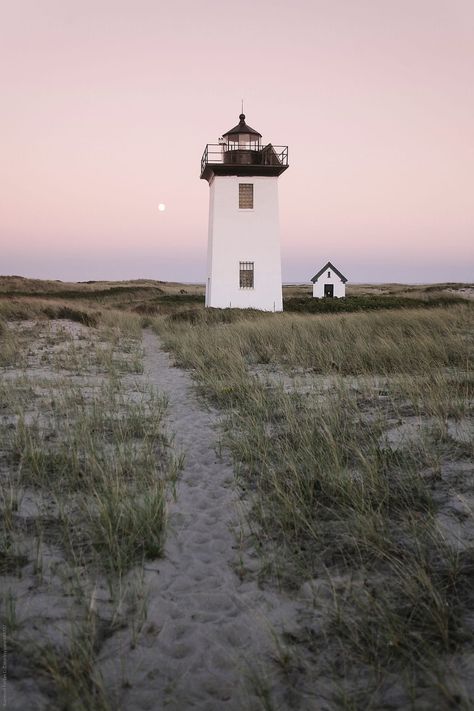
(329, 282)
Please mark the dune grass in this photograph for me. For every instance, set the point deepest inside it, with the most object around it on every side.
(337, 494)
(404, 342)
(348, 434)
(86, 471)
(89, 300)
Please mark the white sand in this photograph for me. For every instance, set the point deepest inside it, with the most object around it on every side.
(207, 632)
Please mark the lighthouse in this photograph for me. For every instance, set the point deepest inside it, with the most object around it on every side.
(243, 256)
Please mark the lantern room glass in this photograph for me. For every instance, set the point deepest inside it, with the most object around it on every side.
(243, 142)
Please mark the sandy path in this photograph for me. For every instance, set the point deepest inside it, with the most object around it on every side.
(206, 630)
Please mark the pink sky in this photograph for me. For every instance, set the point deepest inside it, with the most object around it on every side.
(107, 106)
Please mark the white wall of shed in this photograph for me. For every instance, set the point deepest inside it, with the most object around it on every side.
(339, 286)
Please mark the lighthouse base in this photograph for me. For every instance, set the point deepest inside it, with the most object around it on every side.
(244, 264)
(245, 303)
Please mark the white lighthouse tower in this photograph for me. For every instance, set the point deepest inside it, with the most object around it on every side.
(243, 257)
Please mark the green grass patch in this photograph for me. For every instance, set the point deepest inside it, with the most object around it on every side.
(352, 304)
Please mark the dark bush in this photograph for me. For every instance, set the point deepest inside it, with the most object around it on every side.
(364, 303)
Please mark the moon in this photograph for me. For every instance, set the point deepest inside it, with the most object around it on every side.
(162, 207)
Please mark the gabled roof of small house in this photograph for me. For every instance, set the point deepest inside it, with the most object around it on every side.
(329, 266)
(242, 128)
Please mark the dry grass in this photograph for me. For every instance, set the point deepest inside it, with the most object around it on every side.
(338, 498)
(18, 284)
(351, 442)
(86, 471)
(377, 343)
(33, 298)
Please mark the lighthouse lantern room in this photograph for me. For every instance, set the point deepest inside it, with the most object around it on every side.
(243, 258)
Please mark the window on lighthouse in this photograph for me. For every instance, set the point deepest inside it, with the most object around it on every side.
(246, 275)
(246, 196)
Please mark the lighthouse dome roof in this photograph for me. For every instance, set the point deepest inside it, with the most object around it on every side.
(242, 127)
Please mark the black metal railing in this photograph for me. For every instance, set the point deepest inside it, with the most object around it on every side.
(217, 154)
